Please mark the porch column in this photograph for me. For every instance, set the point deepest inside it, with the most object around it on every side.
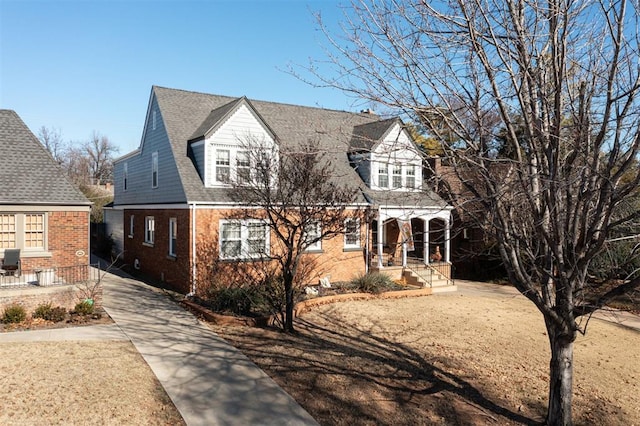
(447, 241)
(425, 251)
(404, 253)
(380, 244)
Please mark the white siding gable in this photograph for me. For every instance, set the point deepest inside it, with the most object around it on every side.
(226, 147)
(396, 163)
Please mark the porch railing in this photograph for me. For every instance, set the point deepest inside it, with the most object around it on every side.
(44, 277)
(426, 272)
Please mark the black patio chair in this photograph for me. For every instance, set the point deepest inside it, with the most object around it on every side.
(11, 262)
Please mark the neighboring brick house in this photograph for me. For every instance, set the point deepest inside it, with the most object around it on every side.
(172, 197)
(41, 212)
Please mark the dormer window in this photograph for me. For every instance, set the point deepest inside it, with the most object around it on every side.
(411, 176)
(223, 165)
(396, 179)
(383, 175)
(243, 167)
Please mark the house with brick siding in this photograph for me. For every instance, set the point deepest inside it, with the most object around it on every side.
(174, 209)
(41, 212)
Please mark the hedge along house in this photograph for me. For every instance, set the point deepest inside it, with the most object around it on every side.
(173, 201)
(42, 214)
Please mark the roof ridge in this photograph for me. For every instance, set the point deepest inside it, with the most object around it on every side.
(372, 115)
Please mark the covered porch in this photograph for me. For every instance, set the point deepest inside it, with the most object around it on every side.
(411, 243)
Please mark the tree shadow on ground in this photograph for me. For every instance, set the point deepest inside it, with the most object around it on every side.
(351, 375)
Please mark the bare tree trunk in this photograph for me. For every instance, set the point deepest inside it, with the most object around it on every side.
(288, 317)
(561, 378)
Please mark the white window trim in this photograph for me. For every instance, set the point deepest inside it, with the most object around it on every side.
(358, 230)
(155, 174)
(173, 235)
(211, 166)
(149, 229)
(389, 176)
(244, 240)
(227, 166)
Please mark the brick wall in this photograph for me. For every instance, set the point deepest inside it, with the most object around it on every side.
(67, 240)
(174, 272)
(66, 296)
(333, 260)
(153, 259)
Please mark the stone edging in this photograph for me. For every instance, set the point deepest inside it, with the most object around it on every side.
(300, 307)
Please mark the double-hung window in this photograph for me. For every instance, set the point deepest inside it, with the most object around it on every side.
(27, 231)
(149, 229)
(397, 176)
(256, 239)
(34, 231)
(383, 175)
(351, 233)
(8, 231)
(243, 239)
(173, 236)
(243, 167)
(313, 232)
(223, 165)
(411, 176)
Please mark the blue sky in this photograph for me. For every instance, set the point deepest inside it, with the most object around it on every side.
(84, 66)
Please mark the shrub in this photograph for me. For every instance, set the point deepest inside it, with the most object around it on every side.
(238, 300)
(84, 308)
(49, 313)
(374, 282)
(14, 314)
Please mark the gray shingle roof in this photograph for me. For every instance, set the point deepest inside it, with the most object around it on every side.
(191, 115)
(366, 136)
(28, 174)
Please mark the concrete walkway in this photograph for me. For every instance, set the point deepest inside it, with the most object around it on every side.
(209, 381)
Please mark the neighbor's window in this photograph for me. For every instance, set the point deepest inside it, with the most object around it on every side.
(173, 236)
(149, 229)
(411, 176)
(131, 227)
(7, 230)
(34, 231)
(383, 175)
(125, 176)
(352, 233)
(243, 239)
(223, 163)
(397, 176)
(154, 170)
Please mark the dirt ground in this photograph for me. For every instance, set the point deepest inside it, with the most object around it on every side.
(446, 359)
(80, 383)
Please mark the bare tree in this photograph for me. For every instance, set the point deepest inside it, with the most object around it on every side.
(99, 152)
(297, 195)
(560, 80)
(52, 140)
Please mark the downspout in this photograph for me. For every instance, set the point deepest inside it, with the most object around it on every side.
(366, 242)
(192, 207)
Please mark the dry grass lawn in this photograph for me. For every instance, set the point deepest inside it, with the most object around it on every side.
(80, 383)
(446, 359)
